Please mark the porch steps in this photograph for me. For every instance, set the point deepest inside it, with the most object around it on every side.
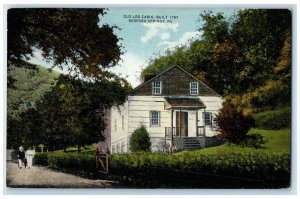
(191, 143)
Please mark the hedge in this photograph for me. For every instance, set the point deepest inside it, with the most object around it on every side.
(147, 170)
(82, 164)
(274, 119)
(254, 169)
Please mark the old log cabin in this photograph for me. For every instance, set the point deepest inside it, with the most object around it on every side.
(175, 107)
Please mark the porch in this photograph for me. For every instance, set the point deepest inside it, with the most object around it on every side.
(186, 131)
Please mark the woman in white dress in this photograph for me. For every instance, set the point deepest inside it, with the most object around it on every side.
(29, 156)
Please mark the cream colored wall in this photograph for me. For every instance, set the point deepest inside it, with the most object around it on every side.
(136, 111)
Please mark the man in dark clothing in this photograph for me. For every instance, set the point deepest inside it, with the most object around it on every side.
(21, 157)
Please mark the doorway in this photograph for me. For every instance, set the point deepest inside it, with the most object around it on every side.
(181, 124)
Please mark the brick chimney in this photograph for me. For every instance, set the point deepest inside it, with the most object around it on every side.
(148, 76)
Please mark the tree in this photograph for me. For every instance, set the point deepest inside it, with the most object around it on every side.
(73, 111)
(140, 140)
(64, 36)
(232, 124)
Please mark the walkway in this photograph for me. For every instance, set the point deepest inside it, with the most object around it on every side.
(38, 176)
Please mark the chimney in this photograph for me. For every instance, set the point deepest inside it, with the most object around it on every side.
(148, 76)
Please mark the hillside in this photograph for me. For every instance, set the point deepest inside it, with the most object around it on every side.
(29, 87)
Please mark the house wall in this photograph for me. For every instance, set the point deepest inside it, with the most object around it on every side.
(119, 131)
(136, 112)
(213, 104)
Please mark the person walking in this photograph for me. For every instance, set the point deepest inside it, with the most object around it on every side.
(21, 157)
(29, 156)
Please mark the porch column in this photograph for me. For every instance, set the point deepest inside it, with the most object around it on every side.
(196, 122)
(172, 111)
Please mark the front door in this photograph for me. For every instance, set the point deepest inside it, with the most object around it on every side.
(181, 124)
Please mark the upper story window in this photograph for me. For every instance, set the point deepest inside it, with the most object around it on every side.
(156, 87)
(122, 122)
(154, 118)
(194, 88)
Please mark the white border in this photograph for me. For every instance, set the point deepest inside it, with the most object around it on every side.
(178, 193)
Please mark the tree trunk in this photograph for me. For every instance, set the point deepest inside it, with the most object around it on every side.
(78, 149)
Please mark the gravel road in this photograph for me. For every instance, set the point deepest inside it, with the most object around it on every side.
(38, 176)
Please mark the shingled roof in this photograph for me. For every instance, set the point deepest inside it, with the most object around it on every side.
(183, 102)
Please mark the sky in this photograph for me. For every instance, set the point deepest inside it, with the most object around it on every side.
(148, 32)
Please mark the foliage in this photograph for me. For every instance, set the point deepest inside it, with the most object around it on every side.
(140, 140)
(29, 87)
(64, 36)
(232, 124)
(225, 166)
(69, 113)
(270, 170)
(76, 163)
(273, 119)
(253, 140)
(247, 59)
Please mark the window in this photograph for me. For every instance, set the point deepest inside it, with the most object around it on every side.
(208, 118)
(156, 87)
(122, 122)
(154, 118)
(194, 88)
(115, 125)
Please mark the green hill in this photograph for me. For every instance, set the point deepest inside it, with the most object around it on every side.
(29, 87)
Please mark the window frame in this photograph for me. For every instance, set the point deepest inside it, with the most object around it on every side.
(193, 89)
(154, 87)
(210, 118)
(151, 118)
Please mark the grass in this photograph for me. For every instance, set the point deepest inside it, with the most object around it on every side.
(276, 141)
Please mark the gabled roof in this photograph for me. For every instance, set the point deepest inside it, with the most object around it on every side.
(163, 72)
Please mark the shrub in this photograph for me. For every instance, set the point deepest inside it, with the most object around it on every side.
(40, 159)
(274, 119)
(140, 140)
(251, 169)
(254, 140)
(232, 124)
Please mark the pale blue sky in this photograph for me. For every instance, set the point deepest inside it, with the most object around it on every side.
(145, 40)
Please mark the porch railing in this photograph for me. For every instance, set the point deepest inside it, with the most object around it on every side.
(176, 132)
(200, 131)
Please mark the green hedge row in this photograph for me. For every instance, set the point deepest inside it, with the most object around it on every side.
(235, 170)
(82, 164)
(230, 170)
(274, 119)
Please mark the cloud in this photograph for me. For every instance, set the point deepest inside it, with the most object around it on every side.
(186, 38)
(165, 36)
(153, 29)
(130, 68)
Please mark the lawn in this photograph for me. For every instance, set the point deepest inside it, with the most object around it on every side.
(276, 141)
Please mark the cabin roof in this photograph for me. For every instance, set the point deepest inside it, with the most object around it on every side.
(168, 69)
(183, 102)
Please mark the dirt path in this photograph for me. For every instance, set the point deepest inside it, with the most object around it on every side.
(38, 176)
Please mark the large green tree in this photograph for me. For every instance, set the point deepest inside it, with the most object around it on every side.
(69, 114)
(65, 36)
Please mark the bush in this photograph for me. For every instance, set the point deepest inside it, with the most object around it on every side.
(252, 169)
(232, 124)
(274, 119)
(140, 140)
(254, 140)
(40, 159)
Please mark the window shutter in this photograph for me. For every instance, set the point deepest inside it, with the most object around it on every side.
(211, 119)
